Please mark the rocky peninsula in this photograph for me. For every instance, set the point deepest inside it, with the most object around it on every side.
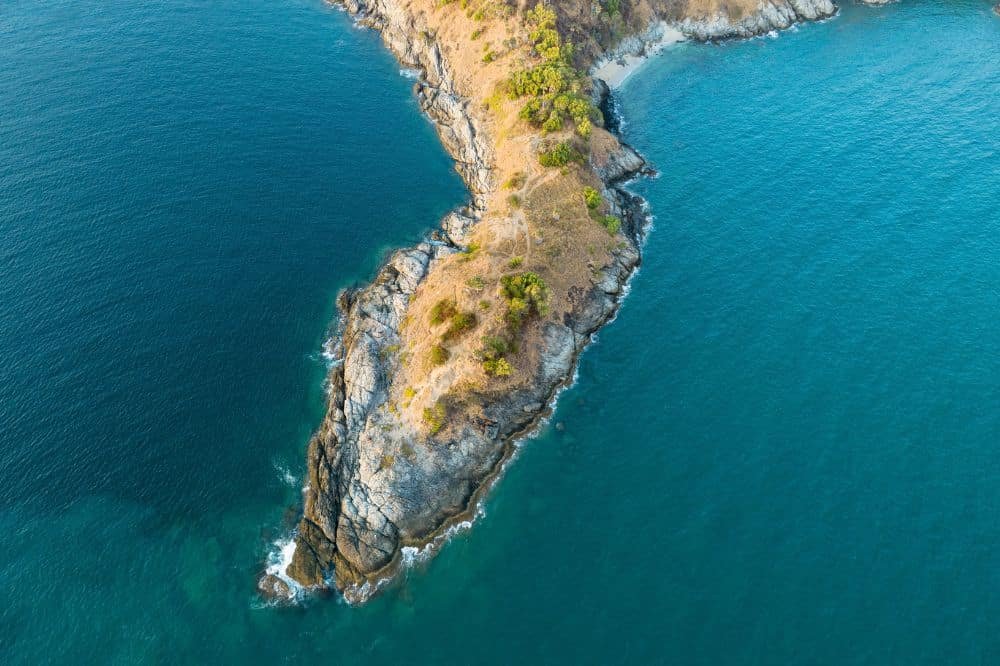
(460, 344)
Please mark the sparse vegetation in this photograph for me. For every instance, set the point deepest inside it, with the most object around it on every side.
(476, 283)
(514, 201)
(516, 181)
(443, 310)
(439, 355)
(526, 294)
(495, 346)
(498, 367)
(461, 323)
(611, 223)
(554, 85)
(435, 417)
(559, 155)
(471, 252)
(493, 356)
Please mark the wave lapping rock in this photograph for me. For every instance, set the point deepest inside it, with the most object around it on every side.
(378, 482)
(360, 511)
(408, 37)
(770, 16)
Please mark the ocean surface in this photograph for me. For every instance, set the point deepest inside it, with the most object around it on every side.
(786, 449)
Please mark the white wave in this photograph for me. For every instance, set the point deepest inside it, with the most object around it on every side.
(278, 560)
(286, 475)
(331, 350)
(411, 556)
(409, 73)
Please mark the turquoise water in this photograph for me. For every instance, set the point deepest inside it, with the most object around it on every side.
(783, 450)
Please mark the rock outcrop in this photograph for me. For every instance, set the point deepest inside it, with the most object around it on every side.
(378, 483)
(772, 15)
(360, 511)
(407, 36)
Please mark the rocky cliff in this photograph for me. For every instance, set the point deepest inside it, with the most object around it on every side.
(770, 15)
(408, 445)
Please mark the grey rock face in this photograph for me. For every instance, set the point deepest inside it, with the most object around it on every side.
(407, 37)
(374, 484)
(772, 15)
(620, 164)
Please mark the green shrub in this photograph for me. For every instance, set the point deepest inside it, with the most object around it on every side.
(443, 310)
(489, 57)
(611, 223)
(439, 355)
(554, 85)
(592, 198)
(476, 283)
(493, 355)
(560, 155)
(476, 33)
(461, 323)
(526, 294)
(485, 305)
(516, 181)
(435, 417)
(495, 347)
(497, 367)
(514, 201)
(551, 78)
(470, 252)
(515, 262)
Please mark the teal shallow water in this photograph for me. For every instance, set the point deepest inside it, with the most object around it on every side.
(783, 450)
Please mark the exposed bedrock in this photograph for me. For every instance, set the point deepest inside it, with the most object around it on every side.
(772, 15)
(375, 483)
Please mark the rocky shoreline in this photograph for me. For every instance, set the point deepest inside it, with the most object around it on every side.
(360, 512)
(773, 15)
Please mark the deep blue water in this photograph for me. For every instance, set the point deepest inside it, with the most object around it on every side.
(783, 451)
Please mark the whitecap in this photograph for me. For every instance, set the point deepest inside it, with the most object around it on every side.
(331, 350)
(278, 560)
(286, 475)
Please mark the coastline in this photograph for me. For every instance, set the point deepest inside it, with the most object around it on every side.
(624, 60)
(371, 318)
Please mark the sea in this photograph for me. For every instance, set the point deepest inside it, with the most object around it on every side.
(784, 450)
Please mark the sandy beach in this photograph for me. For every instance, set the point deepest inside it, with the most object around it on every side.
(622, 65)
